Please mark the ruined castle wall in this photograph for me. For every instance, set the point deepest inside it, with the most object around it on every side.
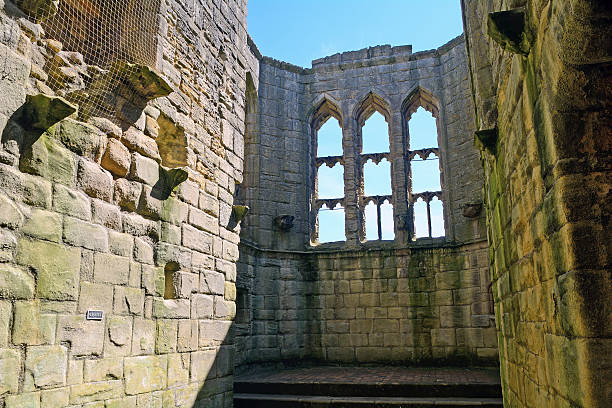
(547, 174)
(84, 224)
(358, 302)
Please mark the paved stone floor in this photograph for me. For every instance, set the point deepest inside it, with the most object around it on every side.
(374, 375)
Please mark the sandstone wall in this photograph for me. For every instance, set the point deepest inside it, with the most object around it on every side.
(547, 172)
(358, 302)
(85, 226)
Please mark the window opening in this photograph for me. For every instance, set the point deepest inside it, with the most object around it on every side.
(331, 223)
(425, 173)
(329, 139)
(420, 219)
(242, 306)
(330, 181)
(170, 280)
(377, 186)
(437, 218)
(377, 178)
(423, 130)
(375, 134)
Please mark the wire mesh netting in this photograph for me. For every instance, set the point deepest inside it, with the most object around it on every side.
(100, 44)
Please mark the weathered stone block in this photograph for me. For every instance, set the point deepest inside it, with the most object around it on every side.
(71, 202)
(49, 159)
(143, 252)
(166, 338)
(10, 366)
(86, 337)
(186, 284)
(58, 398)
(119, 336)
(120, 244)
(10, 216)
(202, 306)
(28, 325)
(12, 87)
(178, 369)
(224, 309)
(202, 363)
(111, 269)
(26, 400)
(44, 225)
(203, 221)
(6, 311)
(95, 181)
(212, 283)
(83, 139)
(171, 308)
(86, 235)
(98, 391)
(443, 337)
(106, 214)
(143, 339)
(144, 170)
(33, 190)
(57, 268)
(137, 141)
(145, 374)
(96, 297)
(117, 158)
(213, 332)
(15, 283)
(46, 365)
(187, 335)
(129, 301)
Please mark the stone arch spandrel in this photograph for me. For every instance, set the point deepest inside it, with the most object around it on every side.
(322, 108)
(370, 102)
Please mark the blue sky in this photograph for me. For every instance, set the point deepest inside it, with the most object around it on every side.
(299, 31)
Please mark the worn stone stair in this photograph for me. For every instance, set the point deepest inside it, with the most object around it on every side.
(279, 392)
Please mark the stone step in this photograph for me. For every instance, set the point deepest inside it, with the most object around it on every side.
(248, 400)
(352, 389)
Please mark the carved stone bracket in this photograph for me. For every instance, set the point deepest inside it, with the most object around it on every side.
(144, 81)
(41, 111)
(38, 9)
(471, 210)
(423, 153)
(329, 161)
(169, 179)
(487, 140)
(284, 222)
(510, 30)
(375, 157)
(239, 212)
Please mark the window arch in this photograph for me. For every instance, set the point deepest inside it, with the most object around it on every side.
(420, 113)
(375, 168)
(327, 174)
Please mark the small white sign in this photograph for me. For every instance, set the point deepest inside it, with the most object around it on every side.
(94, 315)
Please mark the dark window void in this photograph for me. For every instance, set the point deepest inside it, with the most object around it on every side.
(171, 280)
(242, 306)
(331, 224)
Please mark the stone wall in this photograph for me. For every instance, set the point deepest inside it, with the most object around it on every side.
(90, 218)
(542, 98)
(402, 306)
(399, 301)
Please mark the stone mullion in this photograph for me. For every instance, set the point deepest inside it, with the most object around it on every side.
(399, 176)
(353, 183)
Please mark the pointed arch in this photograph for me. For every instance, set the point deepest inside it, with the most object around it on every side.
(324, 107)
(369, 103)
(420, 97)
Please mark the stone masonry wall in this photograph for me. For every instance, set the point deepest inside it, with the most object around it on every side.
(546, 88)
(427, 305)
(85, 223)
(293, 303)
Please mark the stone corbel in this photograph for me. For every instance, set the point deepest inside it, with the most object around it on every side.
(471, 210)
(237, 215)
(284, 222)
(38, 9)
(510, 30)
(169, 179)
(143, 80)
(41, 111)
(486, 139)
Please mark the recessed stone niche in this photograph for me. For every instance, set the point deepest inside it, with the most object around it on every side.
(172, 143)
